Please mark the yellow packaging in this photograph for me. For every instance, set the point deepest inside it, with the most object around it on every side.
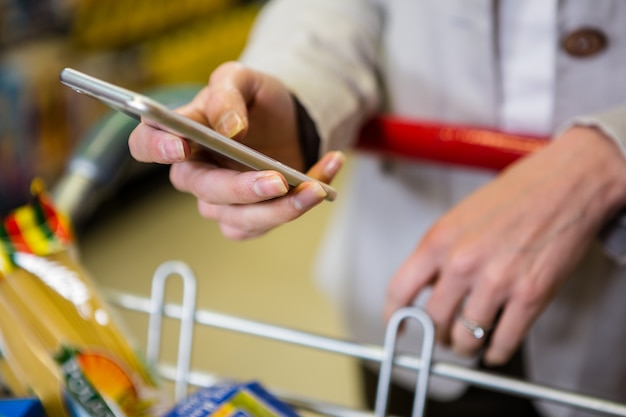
(68, 350)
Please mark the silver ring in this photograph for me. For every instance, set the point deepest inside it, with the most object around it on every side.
(474, 328)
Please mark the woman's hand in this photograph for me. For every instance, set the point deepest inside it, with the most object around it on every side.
(498, 258)
(258, 111)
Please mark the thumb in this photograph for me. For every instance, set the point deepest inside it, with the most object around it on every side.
(232, 88)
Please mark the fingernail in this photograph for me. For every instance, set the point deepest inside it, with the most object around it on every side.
(230, 124)
(172, 150)
(334, 164)
(270, 186)
(309, 196)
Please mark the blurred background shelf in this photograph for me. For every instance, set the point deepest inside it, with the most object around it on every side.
(139, 44)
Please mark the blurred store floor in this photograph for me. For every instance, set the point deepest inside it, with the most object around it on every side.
(267, 279)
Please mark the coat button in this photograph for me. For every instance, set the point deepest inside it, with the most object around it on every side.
(584, 42)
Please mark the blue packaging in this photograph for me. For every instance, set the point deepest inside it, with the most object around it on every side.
(230, 399)
(21, 407)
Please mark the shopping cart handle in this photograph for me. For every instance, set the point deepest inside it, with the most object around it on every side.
(459, 145)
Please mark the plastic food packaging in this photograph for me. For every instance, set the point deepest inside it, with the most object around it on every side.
(231, 399)
(59, 340)
(21, 407)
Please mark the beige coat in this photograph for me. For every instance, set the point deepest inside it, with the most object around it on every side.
(437, 60)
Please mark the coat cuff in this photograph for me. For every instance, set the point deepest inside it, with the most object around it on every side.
(307, 135)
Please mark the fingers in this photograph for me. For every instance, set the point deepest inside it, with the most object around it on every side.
(148, 144)
(445, 301)
(491, 310)
(246, 221)
(507, 331)
(224, 186)
(476, 318)
(248, 204)
(327, 167)
(515, 322)
(472, 297)
(418, 271)
(223, 103)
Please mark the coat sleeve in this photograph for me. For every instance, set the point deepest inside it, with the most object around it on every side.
(325, 52)
(611, 122)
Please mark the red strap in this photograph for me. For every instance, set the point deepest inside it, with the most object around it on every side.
(458, 145)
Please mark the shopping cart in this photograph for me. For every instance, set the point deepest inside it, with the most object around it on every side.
(184, 376)
(88, 174)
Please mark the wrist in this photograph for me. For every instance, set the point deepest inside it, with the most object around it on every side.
(612, 234)
(599, 162)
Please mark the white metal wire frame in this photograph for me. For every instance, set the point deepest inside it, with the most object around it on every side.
(183, 376)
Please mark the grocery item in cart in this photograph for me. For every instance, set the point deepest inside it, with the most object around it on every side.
(21, 407)
(232, 399)
(59, 339)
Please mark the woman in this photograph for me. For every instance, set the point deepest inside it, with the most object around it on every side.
(514, 255)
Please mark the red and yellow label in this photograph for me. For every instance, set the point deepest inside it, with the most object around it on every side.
(108, 377)
(37, 228)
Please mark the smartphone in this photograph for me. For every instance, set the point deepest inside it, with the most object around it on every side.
(140, 106)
